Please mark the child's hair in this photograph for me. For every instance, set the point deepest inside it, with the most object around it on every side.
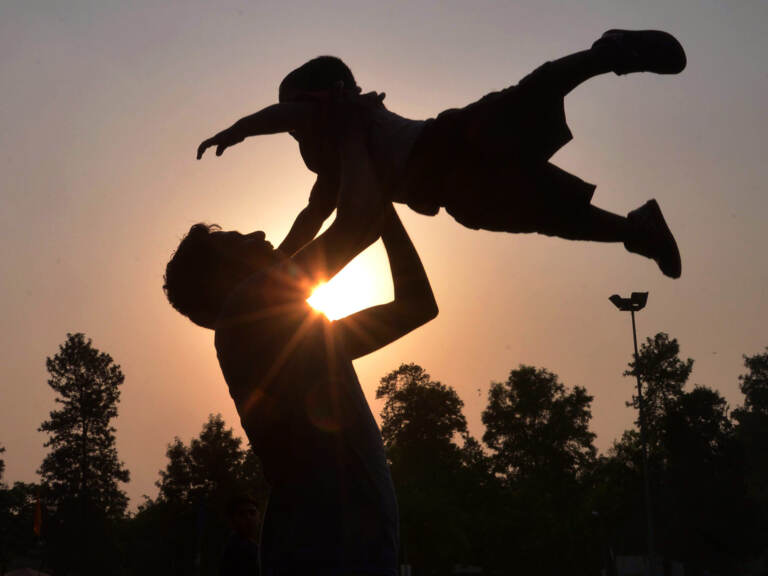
(321, 73)
(193, 280)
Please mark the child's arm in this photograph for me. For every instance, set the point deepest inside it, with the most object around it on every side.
(322, 202)
(326, 194)
(282, 117)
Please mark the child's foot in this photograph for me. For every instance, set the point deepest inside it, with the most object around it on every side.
(643, 51)
(650, 236)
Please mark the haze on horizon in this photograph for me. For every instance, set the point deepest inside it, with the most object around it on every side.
(103, 105)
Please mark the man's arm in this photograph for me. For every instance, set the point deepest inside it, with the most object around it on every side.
(282, 117)
(413, 306)
(322, 202)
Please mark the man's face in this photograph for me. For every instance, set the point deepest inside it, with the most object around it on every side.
(253, 250)
(245, 521)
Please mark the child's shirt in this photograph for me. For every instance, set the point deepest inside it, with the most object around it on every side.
(391, 140)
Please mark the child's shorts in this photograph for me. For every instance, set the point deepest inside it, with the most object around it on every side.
(488, 164)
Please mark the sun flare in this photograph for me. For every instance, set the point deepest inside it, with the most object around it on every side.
(359, 285)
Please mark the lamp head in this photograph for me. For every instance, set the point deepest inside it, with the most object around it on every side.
(623, 304)
(632, 304)
(639, 299)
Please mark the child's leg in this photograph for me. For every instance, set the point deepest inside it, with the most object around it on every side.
(564, 74)
(618, 51)
(563, 208)
(593, 224)
(644, 231)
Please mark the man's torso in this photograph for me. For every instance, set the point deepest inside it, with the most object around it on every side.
(306, 416)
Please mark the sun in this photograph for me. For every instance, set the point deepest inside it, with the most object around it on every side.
(359, 285)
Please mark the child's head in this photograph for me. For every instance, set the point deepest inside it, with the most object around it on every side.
(321, 73)
(208, 265)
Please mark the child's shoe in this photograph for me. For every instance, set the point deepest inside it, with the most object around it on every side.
(643, 51)
(650, 236)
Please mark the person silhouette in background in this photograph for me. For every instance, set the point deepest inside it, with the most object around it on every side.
(488, 163)
(240, 556)
(332, 507)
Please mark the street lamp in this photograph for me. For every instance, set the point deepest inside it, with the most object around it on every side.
(635, 303)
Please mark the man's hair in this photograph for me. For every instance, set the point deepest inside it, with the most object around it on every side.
(320, 73)
(193, 279)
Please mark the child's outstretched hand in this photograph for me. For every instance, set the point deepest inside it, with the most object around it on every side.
(222, 141)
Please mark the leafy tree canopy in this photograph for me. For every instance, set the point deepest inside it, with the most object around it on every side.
(419, 412)
(212, 467)
(754, 384)
(537, 428)
(434, 476)
(82, 463)
(752, 429)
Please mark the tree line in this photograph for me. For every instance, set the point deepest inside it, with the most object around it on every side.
(531, 495)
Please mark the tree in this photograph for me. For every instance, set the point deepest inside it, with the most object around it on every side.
(82, 472)
(536, 428)
(700, 488)
(83, 464)
(175, 482)
(695, 468)
(211, 468)
(408, 391)
(422, 422)
(183, 529)
(752, 435)
(17, 510)
(541, 446)
(663, 375)
(2, 465)
(754, 384)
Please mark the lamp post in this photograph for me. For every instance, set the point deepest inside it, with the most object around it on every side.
(635, 303)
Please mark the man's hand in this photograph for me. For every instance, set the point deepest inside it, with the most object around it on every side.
(222, 141)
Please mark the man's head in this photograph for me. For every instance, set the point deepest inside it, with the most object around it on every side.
(319, 74)
(208, 265)
(244, 515)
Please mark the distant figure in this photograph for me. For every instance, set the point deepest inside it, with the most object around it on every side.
(488, 163)
(332, 508)
(240, 556)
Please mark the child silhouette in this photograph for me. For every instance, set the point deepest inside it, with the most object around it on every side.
(487, 164)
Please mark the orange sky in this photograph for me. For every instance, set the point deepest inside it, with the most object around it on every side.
(103, 105)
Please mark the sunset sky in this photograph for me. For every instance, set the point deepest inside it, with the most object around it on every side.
(102, 105)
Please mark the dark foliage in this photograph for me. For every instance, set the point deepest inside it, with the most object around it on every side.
(18, 541)
(184, 529)
(534, 497)
(82, 472)
(437, 468)
(82, 465)
(541, 448)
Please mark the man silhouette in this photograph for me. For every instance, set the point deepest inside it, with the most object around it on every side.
(332, 507)
(240, 556)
